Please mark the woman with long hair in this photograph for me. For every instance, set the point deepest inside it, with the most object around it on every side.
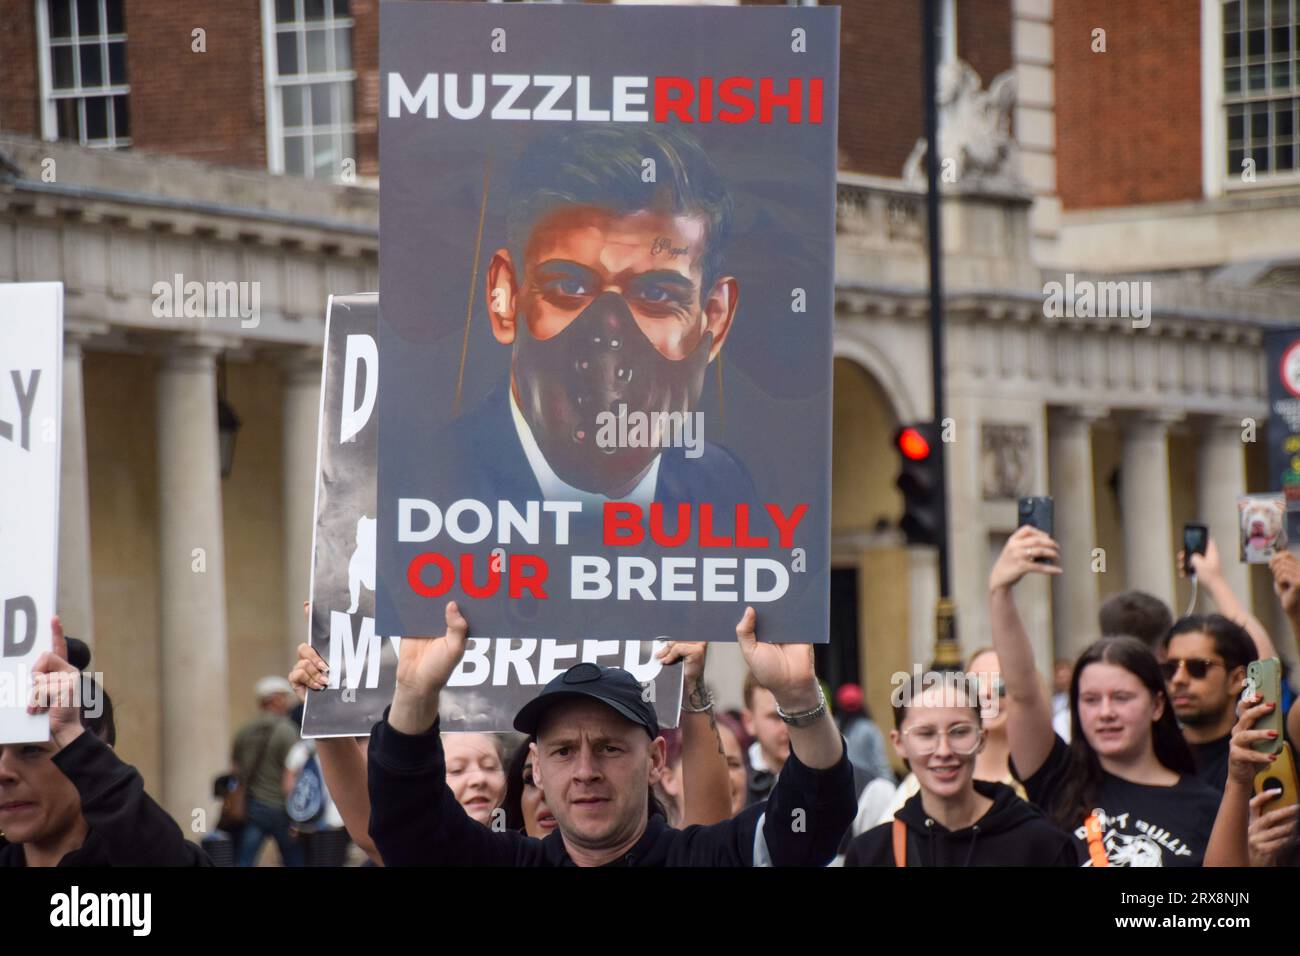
(1125, 785)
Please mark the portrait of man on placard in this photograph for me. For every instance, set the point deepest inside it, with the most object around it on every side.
(611, 292)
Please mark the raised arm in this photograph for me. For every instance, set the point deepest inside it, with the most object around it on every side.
(1229, 841)
(787, 671)
(813, 802)
(705, 780)
(1208, 569)
(124, 820)
(1286, 585)
(342, 759)
(1029, 720)
(414, 817)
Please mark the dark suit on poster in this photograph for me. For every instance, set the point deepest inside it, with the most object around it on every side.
(485, 460)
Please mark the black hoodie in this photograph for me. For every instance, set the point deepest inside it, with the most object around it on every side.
(126, 827)
(1012, 833)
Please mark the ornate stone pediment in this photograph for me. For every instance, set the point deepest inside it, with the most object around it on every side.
(1006, 461)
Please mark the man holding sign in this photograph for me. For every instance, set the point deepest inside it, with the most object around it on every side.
(596, 751)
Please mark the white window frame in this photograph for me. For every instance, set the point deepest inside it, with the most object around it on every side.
(948, 31)
(272, 81)
(1216, 179)
(50, 97)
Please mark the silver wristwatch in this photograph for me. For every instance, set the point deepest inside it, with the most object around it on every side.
(805, 717)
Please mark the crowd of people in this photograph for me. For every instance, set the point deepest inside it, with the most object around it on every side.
(1142, 752)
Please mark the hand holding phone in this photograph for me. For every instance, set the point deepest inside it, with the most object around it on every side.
(1037, 512)
(1265, 677)
(1195, 538)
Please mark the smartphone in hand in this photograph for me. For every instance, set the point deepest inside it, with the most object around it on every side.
(1195, 538)
(1036, 511)
(1265, 677)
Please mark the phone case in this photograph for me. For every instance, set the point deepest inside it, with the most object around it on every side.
(1195, 541)
(1282, 772)
(1266, 677)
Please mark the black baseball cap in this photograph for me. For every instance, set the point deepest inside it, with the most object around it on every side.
(612, 686)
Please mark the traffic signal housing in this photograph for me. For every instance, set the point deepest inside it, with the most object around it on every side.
(921, 481)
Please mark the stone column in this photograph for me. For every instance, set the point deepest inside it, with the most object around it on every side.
(1149, 546)
(1075, 525)
(75, 604)
(191, 578)
(301, 377)
(1221, 478)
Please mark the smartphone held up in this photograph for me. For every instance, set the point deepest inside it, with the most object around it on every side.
(1036, 511)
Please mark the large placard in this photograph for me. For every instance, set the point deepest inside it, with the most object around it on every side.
(606, 265)
(497, 676)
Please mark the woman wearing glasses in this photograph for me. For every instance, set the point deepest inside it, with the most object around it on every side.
(994, 761)
(1125, 785)
(954, 819)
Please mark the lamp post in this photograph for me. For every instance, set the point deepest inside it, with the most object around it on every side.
(227, 424)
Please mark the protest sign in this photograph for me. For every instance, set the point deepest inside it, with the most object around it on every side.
(497, 676)
(31, 366)
(607, 273)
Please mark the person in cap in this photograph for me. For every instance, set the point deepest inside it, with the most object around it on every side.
(259, 754)
(596, 751)
(865, 741)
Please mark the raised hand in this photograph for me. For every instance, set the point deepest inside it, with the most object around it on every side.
(1243, 760)
(310, 672)
(1207, 567)
(692, 654)
(56, 688)
(784, 669)
(424, 665)
(1017, 558)
(1270, 831)
(1286, 581)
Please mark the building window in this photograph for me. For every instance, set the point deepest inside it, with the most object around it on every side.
(309, 84)
(1261, 86)
(84, 92)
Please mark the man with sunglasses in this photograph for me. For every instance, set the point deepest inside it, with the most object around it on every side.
(1205, 671)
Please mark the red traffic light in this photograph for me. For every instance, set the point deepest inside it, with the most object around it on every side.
(913, 444)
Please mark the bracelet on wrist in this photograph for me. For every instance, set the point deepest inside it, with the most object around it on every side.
(704, 708)
(805, 717)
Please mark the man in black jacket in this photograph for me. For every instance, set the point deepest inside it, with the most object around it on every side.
(595, 754)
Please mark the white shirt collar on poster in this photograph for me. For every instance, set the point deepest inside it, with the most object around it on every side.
(554, 488)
